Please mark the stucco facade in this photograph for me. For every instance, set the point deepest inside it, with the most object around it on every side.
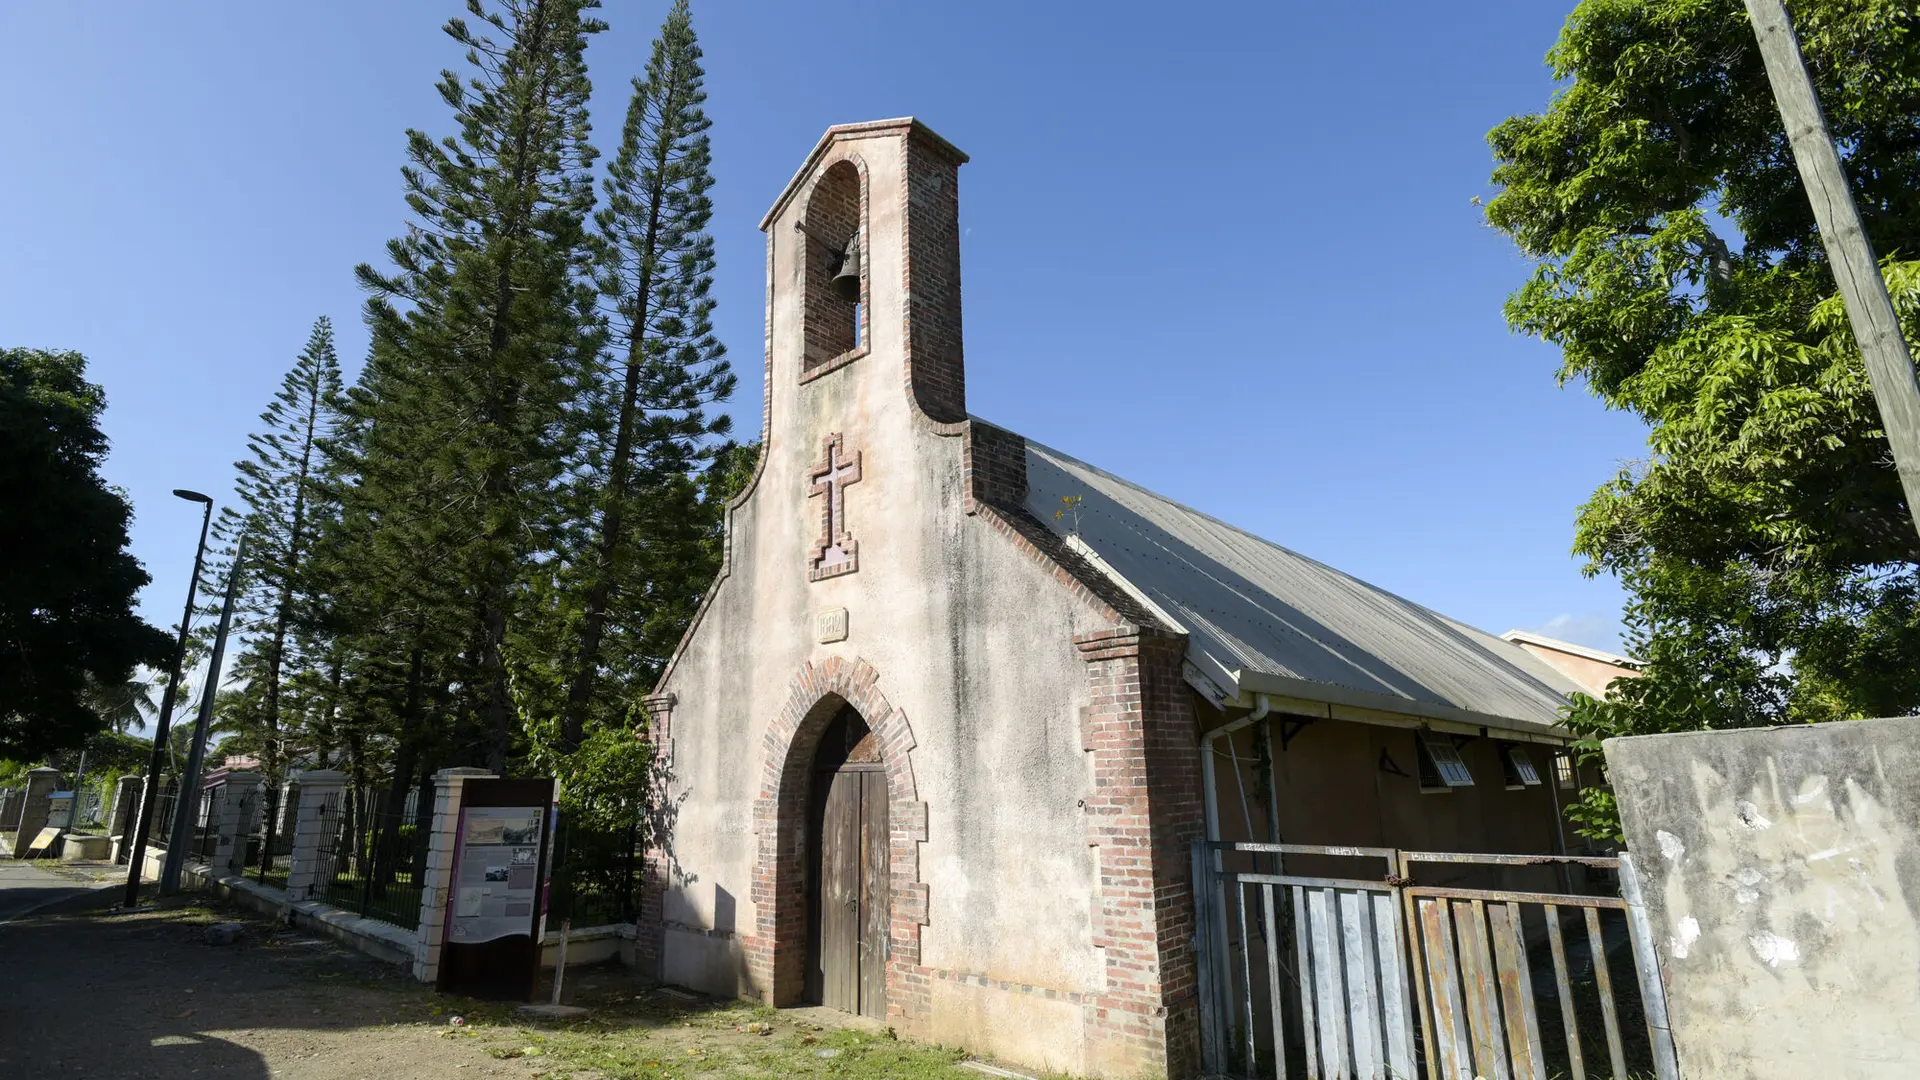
(974, 657)
(1032, 694)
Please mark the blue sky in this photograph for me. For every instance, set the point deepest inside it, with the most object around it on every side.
(1228, 253)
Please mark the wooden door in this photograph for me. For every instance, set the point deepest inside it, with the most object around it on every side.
(853, 913)
(876, 914)
(840, 894)
(849, 918)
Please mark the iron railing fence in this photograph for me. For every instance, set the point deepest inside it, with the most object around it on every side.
(374, 852)
(273, 857)
(595, 873)
(206, 822)
(166, 800)
(89, 809)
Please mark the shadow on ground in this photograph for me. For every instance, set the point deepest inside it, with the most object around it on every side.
(97, 992)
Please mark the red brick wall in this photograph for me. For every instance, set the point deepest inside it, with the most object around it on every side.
(649, 944)
(1143, 817)
(833, 214)
(930, 197)
(995, 462)
(776, 950)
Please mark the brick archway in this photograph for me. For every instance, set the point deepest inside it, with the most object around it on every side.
(776, 955)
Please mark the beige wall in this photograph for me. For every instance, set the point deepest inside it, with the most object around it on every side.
(1593, 675)
(971, 639)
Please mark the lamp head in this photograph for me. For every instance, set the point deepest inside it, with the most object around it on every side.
(192, 496)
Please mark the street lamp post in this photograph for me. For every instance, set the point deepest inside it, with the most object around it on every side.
(139, 853)
(197, 753)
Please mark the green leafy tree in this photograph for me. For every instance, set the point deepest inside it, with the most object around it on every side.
(484, 323)
(647, 428)
(67, 625)
(1770, 556)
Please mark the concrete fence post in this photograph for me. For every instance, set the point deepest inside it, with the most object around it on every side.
(289, 806)
(311, 868)
(125, 816)
(237, 811)
(438, 878)
(34, 807)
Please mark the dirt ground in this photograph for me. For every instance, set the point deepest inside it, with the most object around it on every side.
(94, 992)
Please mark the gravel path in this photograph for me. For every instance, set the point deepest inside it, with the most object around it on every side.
(92, 992)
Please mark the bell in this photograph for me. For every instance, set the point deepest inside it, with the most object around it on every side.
(846, 280)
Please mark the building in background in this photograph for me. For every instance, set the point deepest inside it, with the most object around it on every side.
(1593, 669)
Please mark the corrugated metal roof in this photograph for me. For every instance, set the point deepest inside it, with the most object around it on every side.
(1257, 613)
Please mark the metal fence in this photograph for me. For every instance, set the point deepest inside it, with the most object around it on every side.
(165, 800)
(89, 808)
(206, 823)
(1341, 973)
(373, 851)
(271, 842)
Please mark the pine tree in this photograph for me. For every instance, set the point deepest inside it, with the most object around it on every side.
(485, 319)
(663, 364)
(280, 491)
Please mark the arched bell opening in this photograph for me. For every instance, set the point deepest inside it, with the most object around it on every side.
(836, 279)
(847, 856)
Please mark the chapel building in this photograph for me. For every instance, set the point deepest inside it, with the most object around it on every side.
(940, 759)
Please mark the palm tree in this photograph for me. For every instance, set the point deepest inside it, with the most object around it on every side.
(124, 705)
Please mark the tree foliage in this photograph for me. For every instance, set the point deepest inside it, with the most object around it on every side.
(67, 626)
(485, 317)
(1769, 553)
(285, 506)
(644, 410)
(484, 550)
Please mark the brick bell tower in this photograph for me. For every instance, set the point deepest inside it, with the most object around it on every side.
(864, 252)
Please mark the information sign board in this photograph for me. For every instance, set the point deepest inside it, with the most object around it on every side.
(494, 907)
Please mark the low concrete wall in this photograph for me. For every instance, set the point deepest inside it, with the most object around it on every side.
(1782, 875)
(590, 945)
(382, 940)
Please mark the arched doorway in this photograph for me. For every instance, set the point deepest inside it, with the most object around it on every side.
(848, 920)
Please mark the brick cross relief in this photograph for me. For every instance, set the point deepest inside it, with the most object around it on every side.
(835, 552)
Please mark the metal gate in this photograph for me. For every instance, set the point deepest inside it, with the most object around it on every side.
(1324, 977)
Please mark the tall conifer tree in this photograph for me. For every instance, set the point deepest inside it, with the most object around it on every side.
(662, 363)
(280, 489)
(484, 327)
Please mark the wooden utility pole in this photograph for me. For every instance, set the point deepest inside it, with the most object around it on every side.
(1869, 309)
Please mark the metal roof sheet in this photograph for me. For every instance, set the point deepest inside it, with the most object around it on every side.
(1257, 613)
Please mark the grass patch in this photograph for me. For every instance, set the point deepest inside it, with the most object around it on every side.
(651, 1037)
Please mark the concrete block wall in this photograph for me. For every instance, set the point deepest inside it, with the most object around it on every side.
(34, 805)
(125, 814)
(238, 808)
(310, 870)
(1781, 873)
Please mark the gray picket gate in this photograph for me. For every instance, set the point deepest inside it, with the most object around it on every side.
(1386, 978)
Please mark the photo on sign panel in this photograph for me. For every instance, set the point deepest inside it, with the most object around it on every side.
(485, 830)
